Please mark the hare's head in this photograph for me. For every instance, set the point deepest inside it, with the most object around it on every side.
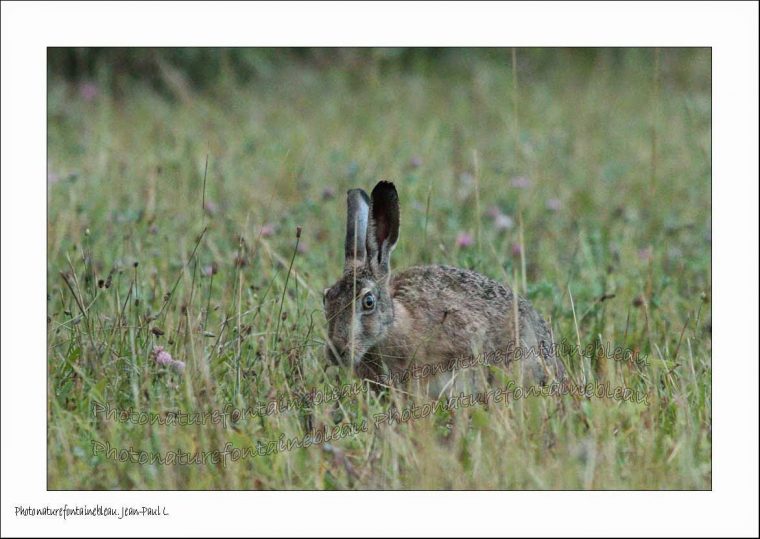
(359, 308)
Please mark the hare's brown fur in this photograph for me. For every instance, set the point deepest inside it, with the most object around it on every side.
(443, 313)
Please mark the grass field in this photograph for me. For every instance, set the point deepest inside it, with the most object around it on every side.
(581, 180)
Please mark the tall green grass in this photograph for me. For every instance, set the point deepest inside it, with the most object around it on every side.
(172, 221)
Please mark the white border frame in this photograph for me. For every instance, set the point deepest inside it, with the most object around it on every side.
(730, 28)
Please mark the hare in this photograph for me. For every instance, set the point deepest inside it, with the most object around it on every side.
(424, 323)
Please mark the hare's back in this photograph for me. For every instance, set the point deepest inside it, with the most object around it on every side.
(439, 285)
(463, 301)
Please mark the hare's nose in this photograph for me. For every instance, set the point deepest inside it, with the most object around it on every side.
(334, 355)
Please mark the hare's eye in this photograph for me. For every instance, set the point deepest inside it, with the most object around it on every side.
(368, 301)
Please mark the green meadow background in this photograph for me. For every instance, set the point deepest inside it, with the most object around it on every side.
(177, 179)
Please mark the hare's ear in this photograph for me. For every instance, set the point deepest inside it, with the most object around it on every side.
(382, 232)
(357, 212)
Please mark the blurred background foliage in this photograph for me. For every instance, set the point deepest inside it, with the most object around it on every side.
(168, 69)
